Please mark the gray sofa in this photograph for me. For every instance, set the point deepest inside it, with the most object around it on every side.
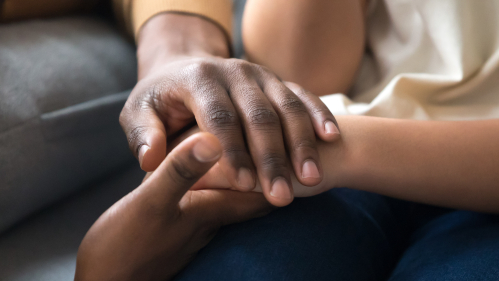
(63, 156)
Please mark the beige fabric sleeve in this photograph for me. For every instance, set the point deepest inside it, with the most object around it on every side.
(134, 13)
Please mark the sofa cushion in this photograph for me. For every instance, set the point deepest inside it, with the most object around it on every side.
(44, 247)
(61, 91)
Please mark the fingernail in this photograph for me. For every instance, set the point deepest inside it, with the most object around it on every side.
(280, 189)
(205, 152)
(310, 170)
(142, 151)
(245, 179)
(331, 128)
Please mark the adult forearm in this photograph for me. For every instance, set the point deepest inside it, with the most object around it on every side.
(452, 164)
(170, 35)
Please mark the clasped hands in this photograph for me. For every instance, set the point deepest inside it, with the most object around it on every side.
(251, 122)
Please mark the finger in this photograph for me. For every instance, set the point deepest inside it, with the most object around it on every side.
(213, 179)
(325, 124)
(225, 207)
(216, 114)
(145, 133)
(185, 165)
(264, 137)
(298, 130)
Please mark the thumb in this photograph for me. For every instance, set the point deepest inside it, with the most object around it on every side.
(146, 135)
(185, 165)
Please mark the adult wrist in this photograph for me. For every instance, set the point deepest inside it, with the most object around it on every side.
(169, 36)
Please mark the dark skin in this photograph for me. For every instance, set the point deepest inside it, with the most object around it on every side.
(258, 120)
(185, 75)
(154, 231)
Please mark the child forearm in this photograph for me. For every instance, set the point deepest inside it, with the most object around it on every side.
(451, 164)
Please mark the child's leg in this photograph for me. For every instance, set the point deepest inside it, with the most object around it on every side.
(317, 44)
(456, 246)
(339, 235)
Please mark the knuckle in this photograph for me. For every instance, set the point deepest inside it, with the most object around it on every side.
(147, 101)
(153, 96)
(147, 94)
(241, 64)
(219, 116)
(134, 137)
(304, 144)
(237, 155)
(181, 173)
(273, 160)
(240, 69)
(202, 68)
(249, 92)
(292, 105)
(261, 116)
(320, 112)
(234, 152)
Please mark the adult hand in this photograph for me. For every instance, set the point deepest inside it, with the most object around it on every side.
(184, 75)
(216, 179)
(154, 231)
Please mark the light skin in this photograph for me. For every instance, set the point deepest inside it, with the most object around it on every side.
(317, 44)
(451, 164)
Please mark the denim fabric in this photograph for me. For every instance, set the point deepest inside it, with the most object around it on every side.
(353, 235)
(459, 245)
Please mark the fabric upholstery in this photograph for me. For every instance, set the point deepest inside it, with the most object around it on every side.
(59, 108)
(44, 247)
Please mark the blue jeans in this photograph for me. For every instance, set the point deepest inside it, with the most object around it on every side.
(346, 234)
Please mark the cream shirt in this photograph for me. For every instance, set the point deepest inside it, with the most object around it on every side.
(428, 60)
